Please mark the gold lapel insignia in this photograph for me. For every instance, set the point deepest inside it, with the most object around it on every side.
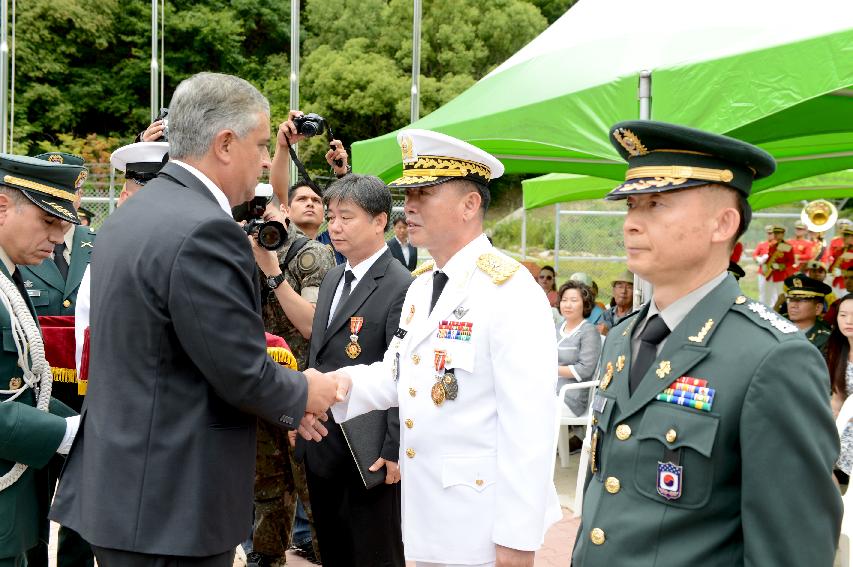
(28, 284)
(86, 245)
(620, 363)
(700, 336)
(423, 268)
(664, 369)
(608, 376)
(629, 327)
(411, 314)
(499, 268)
(741, 299)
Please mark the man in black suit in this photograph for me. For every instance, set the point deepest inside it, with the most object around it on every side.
(400, 246)
(161, 472)
(353, 474)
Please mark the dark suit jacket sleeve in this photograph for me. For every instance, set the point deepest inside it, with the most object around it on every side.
(786, 427)
(214, 311)
(28, 435)
(391, 447)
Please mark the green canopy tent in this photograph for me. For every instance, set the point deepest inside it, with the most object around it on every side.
(770, 73)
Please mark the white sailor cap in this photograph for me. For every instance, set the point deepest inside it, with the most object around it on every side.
(430, 158)
(263, 190)
(140, 161)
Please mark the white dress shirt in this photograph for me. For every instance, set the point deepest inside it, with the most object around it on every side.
(404, 246)
(359, 271)
(211, 186)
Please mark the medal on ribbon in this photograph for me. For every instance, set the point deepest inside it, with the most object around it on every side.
(438, 392)
(353, 349)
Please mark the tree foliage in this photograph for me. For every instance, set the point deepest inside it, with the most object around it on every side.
(82, 66)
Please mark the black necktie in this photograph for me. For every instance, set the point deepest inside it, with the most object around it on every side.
(348, 279)
(655, 331)
(19, 283)
(59, 259)
(439, 280)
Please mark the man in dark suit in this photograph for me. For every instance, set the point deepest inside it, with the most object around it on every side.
(353, 474)
(162, 470)
(400, 246)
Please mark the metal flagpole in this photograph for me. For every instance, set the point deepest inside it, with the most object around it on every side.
(162, 52)
(155, 64)
(12, 84)
(294, 70)
(4, 75)
(642, 288)
(416, 63)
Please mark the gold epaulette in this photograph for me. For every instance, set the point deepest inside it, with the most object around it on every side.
(423, 268)
(63, 374)
(499, 268)
(282, 356)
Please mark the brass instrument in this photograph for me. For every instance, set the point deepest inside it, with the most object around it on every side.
(819, 216)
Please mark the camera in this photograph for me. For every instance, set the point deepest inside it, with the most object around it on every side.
(310, 124)
(164, 116)
(270, 234)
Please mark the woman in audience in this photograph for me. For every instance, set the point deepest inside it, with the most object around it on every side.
(548, 279)
(839, 358)
(578, 343)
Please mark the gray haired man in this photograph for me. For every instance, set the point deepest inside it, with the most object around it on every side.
(162, 470)
(353, 476)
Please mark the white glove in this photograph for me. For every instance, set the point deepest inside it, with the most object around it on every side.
(763, 258)
(71, 426)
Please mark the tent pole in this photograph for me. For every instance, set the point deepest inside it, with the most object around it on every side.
(556, 238)
(523, 233)
(155, 63)
(294, 69)
(642, 288)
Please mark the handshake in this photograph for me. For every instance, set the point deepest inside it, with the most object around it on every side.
(324, 389)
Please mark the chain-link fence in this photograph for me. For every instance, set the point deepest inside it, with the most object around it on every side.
(592, 242)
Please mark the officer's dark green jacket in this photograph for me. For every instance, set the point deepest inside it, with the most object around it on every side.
(50, 294)
(818, 335)
(27, 436)
(756, 484)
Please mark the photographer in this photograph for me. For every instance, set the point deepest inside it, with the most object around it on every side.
(291, 279)
(305, 195)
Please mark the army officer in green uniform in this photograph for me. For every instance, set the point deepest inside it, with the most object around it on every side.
(53, 284)
(713, 438)
(805, 298)
(36, 197)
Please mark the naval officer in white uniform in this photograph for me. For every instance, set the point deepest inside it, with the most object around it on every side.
(472, 369)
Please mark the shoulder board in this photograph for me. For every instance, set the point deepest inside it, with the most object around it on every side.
(499, 268)
(764, 316)
(423, 268)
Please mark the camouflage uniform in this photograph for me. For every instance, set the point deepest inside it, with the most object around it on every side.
(279, 479)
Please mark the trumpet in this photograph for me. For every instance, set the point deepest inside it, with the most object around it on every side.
(819, 216)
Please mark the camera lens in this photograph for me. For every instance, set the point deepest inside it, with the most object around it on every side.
(309, 128)
(270, 236)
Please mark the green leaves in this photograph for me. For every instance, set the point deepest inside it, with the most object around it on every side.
(82, 66)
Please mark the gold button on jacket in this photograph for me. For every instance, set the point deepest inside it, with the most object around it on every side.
(410, 453)
(623, 432)
(410, 423)
(671, 436)
(597, 536)
(612, 485)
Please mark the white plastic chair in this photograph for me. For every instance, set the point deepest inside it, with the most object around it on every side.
(845, 553)
(563, 420)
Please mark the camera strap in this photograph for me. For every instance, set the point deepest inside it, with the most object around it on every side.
(300, 167)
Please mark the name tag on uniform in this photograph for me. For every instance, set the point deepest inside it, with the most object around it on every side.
(599, 403)
(34, 292)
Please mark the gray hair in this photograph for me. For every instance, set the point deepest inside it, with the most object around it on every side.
(368, 192)
(206, 104)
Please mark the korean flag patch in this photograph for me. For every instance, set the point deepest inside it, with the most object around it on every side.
(670, 478)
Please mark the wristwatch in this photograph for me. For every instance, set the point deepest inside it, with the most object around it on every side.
(275, 281)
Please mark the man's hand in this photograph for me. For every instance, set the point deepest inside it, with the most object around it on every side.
(267, 260)
(154, 132)
(344, 384)
(322, 391)
(311, 427)
(392, 470)
(506, 557)
(287, 133)
(338, 152)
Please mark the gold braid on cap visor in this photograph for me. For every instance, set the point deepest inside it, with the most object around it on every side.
(435, 166)
(40, 187)
(703, 173)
